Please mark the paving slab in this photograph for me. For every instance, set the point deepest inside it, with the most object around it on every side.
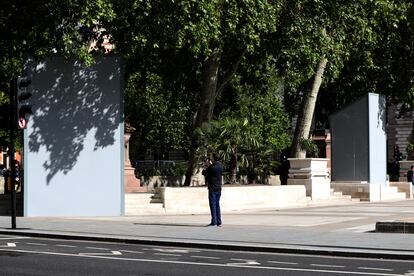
(347, 230)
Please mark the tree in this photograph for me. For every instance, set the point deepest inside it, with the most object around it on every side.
(251, 131)
(42, 28)
(312, 34)
(385, 66)
(158, 113)
(216, 33)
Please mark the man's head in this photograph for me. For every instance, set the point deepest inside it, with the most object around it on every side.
(412, 167)
(216, 157)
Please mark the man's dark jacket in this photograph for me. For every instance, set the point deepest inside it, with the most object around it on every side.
(213, 176)
(410, 176)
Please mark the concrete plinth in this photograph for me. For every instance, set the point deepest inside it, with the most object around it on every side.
(317, 189)
(132, 184)
(313, 174)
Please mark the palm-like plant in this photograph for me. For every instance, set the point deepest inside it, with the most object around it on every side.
(249, 136)
(233, 133)
(224, 137)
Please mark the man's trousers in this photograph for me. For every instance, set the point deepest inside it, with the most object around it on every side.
(214, 201)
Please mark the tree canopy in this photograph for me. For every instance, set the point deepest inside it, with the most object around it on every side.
(187, 60)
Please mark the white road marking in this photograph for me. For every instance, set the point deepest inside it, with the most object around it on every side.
(323, 265)
(11, 244)
(375, 268)
(97, 248)
(206, 257)
(276, 262)
(15, 238)
(245, 262)
(360, 229)
(171, 250)
(65, 245)
(96, 254)
(166, 254)
(35, 243)
(130, 251)
(203, 264)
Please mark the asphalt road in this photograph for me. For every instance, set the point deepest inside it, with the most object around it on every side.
(38, 256)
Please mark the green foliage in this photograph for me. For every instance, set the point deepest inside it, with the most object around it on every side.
(368, 45)
(159, 115)
(410, 148)
(310, 147)
(177, 169)
(171, 40)
(47, 27)
(254, 128)
(41, 28)
(200, 26)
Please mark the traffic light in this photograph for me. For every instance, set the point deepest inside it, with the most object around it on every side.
(22, 94)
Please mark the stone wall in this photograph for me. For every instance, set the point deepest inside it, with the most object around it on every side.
(399, 130)
(195, 199)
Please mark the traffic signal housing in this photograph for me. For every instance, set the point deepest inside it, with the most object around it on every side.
(22, 95)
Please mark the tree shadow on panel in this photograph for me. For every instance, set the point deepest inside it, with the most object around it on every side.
(71, 106)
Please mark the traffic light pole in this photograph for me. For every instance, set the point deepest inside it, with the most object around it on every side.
(12, 162)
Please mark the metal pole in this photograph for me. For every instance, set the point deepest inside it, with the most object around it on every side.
(13, 121)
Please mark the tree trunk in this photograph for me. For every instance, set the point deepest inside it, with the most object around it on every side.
(205, 108)
(233, 169)
(304, 121)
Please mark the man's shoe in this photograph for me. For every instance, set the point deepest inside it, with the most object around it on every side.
(218, 225)
(210, 225)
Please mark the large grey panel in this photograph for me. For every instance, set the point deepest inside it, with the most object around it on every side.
(377, 140)
(74, 140)
(350, 142)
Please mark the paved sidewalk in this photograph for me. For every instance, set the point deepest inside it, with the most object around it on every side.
(340, 230)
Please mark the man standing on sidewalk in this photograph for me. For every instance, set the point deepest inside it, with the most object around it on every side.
(213, 173)
(410, 174)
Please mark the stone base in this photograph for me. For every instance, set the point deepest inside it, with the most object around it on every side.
(368, 191)
(132, 184)
(404, 187)
(313, 173)
(317, 188)
(193, 200)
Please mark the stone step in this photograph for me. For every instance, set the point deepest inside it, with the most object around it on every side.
(389, 190)
(156, 198)
(156, 201)
(333, 201)
(142, 210)
(337, 194)
(141, 204)
(335, 198)
(394, 196)
(346, 197)
(141, 199)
